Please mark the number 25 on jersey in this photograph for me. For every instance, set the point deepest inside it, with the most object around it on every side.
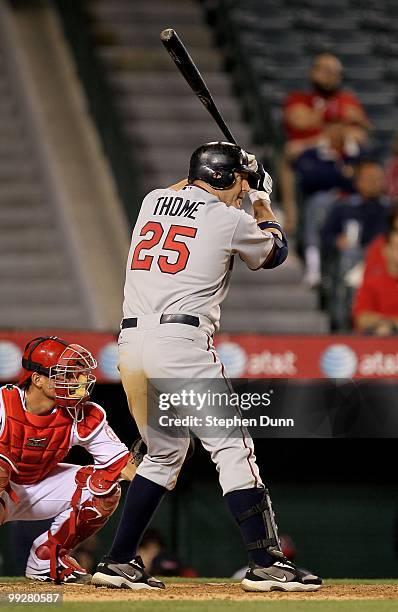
(170, 243)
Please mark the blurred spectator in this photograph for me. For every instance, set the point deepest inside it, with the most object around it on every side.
(151, 546)
(362, 216)
(375, 308)
(304, 111)
(304, 119)
(374, 257)
(324, 174)
(350, 226)
(392, 170)
(157, 562)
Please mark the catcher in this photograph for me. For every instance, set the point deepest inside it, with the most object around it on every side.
(41, 418)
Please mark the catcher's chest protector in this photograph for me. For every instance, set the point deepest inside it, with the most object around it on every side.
(38, 443)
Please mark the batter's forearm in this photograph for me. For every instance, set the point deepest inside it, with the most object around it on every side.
(263, 212)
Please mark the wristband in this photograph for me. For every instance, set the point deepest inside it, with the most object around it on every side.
(263, 225)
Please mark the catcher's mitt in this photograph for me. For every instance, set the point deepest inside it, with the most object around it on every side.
(138, 451)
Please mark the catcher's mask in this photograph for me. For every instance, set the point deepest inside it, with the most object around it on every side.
(215, 163)
(67, 366)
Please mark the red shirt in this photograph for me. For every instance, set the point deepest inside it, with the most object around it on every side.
(335, 105)
(375, 263)
(378, 293)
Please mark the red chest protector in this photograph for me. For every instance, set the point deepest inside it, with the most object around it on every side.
(39, 443)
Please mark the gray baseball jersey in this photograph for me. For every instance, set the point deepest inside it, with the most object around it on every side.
(181, 252)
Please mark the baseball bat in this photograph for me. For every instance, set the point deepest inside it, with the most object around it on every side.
(191, 74)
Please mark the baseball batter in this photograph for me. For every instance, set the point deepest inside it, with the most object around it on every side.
(40, 420)
(177, 275)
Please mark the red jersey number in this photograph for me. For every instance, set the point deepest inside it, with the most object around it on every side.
(170, 244)
(147, 244)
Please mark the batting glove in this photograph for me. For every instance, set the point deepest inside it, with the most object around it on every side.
(253, 165)
(264, 187)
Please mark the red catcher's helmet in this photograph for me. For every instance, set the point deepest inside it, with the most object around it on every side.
(68, 366)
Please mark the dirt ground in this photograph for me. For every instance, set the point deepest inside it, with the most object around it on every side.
(203, 591)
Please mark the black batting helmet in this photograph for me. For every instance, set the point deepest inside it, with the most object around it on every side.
(215, 164)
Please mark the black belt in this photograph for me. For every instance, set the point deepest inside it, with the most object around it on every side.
(166, 318)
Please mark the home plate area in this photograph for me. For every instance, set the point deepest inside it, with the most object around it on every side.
(202, 590)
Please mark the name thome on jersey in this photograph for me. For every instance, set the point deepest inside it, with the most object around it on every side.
(175, 206)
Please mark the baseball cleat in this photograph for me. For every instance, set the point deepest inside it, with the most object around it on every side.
(69, 570)
(131, 575)
(280, 576)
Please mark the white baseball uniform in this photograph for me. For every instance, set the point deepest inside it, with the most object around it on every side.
(50, 496)
(180, 262)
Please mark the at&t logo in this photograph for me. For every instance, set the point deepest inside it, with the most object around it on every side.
(234, 358)
(339, 361)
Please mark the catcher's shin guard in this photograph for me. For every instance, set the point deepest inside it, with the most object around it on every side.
(81, 524)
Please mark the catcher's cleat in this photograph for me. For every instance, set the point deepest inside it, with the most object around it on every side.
(69, 572)
(280, 576)
(131, 575)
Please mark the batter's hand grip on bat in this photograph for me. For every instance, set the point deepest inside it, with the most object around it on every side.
(191, 74)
